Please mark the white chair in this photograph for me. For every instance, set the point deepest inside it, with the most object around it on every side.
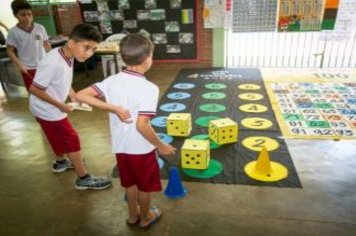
(107, 61)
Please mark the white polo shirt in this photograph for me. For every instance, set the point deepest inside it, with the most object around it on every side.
(29, 44)
(54, 75)
(132, 91)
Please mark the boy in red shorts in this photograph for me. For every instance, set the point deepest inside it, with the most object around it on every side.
(50, 88)
(133, 143)
(27, 42)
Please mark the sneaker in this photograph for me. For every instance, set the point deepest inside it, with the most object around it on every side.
(58, 168)
(93, 182)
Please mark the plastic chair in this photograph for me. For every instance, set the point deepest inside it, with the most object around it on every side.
(107, 61)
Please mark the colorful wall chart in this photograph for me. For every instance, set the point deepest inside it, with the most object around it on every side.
(345, 21)
(330, 13)
(300, 15)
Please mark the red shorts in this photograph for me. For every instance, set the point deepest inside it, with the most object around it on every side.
(28, 78)
(61, 136)
(141, 170)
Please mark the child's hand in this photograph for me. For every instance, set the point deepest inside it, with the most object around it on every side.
(65, 108)
(73, 99)
(166, 149)
(124, 115)
(23, 69)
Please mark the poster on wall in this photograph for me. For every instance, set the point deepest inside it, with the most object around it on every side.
(254, 15)
(330, 13)
(300, 15)
(214, 13)
(170, 24)
(345, 23)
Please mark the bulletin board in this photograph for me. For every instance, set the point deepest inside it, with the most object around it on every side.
(170, 24)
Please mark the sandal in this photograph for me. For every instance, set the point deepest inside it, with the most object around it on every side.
(157, 215)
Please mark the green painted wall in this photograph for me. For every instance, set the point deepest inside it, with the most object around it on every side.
(48, 23)
(218, 47)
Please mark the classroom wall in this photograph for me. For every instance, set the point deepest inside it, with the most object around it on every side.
(66, 16)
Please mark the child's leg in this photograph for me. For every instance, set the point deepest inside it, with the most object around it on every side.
(147, 215)
(131, 194)
(59, 157)
(77, 163)
(145, 201)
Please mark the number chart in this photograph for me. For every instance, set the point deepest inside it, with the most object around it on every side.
(240, 95)
(315, 110)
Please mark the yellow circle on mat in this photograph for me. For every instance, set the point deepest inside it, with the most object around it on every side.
(250, 96)
(256, 123)
(255, 143)
(278, 172)
(253, 107)
(249, 86)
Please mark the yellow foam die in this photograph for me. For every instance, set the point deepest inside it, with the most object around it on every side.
(223, 131)
(179, 124)
(195, 154)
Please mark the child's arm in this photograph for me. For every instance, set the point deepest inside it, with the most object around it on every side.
(89, 96)
(12, 55)
(45, 97)
(143, 125)
(47, 46)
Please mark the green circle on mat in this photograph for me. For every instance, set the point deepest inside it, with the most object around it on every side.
(214, 95)
(215, 86)
(212, 107)
(204, 120)
(214, 169)
(213, 145)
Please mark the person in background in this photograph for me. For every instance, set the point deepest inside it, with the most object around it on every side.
(27, 42)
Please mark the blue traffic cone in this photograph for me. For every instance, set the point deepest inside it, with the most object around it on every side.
(175, 188)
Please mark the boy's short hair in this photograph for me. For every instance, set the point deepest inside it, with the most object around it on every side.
(18, 5)
(135, 48)
(85, 32)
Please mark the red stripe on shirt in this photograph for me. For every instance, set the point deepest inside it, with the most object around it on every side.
(61, 52)
(100, 93)
(130, 72)
(39, 86)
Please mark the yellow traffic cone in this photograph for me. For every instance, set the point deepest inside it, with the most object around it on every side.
(265, 170)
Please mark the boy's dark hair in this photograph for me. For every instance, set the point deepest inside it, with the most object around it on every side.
(85, 32)
(18, 5)
(135, 48)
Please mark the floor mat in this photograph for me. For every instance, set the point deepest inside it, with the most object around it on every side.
(235, 93)
(314, 105)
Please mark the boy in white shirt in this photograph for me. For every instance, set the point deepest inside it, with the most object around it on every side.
(48, 93)
(134, 144)
(27, 42)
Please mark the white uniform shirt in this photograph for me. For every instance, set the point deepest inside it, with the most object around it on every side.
(54, 75)
(29, 44)
(133, 92)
